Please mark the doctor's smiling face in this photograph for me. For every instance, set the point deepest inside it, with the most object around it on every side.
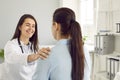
(27, 28)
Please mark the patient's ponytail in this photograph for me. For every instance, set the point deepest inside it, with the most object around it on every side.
(76, 51)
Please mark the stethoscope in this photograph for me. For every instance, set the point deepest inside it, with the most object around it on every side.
(20, 45)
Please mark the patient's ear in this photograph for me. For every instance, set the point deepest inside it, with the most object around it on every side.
(57, 26)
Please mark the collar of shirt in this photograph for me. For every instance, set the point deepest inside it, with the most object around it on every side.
(26, 48)
(29, 44)
(63, 41)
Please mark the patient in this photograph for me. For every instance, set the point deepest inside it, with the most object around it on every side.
(69, 59)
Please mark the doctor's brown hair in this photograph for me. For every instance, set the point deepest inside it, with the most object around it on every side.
(70, 27)
(34, 38)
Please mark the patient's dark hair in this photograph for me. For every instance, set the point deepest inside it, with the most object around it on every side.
(34, 38)
(69, 26)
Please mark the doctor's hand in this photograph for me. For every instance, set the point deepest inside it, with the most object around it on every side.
(42, 53)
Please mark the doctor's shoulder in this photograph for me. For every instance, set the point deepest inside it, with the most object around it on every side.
(12, 42)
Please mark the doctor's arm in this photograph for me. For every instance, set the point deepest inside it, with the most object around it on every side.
(13, 55)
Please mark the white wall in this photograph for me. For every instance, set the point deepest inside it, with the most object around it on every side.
(73, 4)
(12, 10)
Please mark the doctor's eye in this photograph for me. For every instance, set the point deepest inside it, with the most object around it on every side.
(33, 26)
(27, 24)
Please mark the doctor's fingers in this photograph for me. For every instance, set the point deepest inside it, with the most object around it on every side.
(48, 49)
(45, 50)
(42, 55)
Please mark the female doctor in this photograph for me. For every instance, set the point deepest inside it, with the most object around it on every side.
(22, 51)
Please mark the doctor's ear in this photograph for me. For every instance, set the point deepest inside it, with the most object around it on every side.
(19, 28)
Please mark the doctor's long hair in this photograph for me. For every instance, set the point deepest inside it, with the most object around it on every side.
(34, 38)
(70, 27)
